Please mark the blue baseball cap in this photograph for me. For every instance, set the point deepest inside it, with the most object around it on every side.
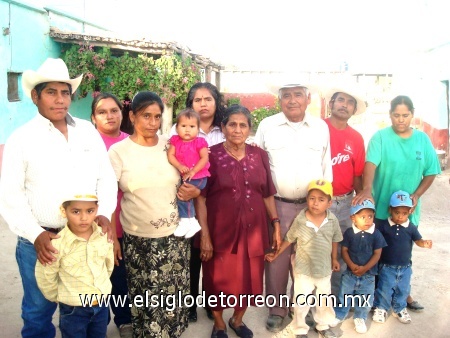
(367, 204)
(401, 199)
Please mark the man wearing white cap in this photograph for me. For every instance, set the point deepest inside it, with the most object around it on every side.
(42, 159)
(347, 157)
(299, 152)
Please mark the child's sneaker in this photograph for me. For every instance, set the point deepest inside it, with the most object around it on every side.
(182, 228)
(403, 316)
(379, 315)
(360, 325)
(335, 322)
(194, 227)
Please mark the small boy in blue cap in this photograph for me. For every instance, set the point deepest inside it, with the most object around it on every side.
(361, 250)
(395, 263)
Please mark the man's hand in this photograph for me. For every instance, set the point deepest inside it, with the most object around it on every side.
(106, 227)
(44, 249)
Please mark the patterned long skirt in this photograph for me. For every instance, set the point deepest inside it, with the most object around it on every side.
(157, 274)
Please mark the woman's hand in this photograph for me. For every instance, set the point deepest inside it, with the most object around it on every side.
(187, 192)
(414, 199)
(271, 256)
(206, 248)
(105, 224)
(276, 238)
(117, 252)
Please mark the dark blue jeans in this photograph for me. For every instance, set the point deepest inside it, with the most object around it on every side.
(80, 321)
(354, 285)
(122, 314)
(186, 208)
(37, 311)
(393, 287)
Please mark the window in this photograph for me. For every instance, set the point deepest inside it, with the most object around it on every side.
(13, 87)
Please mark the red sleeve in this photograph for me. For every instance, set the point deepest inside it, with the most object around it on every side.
(269, 187)
(359, 156)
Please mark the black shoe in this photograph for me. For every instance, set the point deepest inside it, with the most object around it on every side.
(219, 333)
(192, 316)
(326, 333)
(274, 323)
(415, 306)
(242, 330)
(209, 313)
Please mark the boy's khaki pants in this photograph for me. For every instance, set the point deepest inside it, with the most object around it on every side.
(322, 311)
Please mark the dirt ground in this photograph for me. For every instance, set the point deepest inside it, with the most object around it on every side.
(430, 284)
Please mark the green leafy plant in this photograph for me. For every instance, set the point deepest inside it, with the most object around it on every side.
(171, 77)
(263, 112)
(233, 100)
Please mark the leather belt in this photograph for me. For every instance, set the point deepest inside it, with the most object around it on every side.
(341, 197)
(294, 201)
(53, 230)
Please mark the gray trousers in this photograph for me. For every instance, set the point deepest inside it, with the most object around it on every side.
(341, 209)
(277, 273)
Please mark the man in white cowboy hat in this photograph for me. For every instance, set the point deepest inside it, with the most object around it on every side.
(299, 152)
(348, 155)
(42, 159)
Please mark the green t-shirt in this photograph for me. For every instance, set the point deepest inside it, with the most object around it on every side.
(401, 165)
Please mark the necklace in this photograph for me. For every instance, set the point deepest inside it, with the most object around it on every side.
(234, 155)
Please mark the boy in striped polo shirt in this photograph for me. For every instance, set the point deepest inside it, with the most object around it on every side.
(316, 233)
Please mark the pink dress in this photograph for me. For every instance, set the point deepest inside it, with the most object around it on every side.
(188, 153)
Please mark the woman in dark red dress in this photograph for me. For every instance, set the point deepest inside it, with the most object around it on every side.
(233, 211)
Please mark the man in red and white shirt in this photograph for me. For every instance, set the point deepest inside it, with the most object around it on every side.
(347, 158)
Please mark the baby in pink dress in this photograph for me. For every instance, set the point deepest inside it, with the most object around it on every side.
(189, 154)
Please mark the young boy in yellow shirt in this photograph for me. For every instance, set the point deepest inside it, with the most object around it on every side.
(80, 276)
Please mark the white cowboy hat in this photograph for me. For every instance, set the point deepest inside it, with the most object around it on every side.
(348, 89)
(52, 70)
(275, 88)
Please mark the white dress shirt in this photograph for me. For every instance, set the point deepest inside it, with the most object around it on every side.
(41, 168)
(298, 152)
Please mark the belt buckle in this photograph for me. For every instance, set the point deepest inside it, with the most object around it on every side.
(299, 200)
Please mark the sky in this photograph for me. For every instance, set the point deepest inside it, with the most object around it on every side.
(371, 36)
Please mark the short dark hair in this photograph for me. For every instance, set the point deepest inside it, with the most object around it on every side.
(188, 113)
(237, 109)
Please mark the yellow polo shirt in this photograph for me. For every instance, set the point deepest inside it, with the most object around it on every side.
(82, 267)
